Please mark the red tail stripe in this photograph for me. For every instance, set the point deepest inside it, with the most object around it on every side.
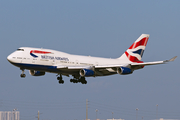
(40, 52)
(132, 58)
(142, 42)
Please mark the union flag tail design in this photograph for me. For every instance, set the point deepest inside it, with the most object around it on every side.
(136, 50)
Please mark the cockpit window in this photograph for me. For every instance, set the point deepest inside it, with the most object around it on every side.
(20, 49)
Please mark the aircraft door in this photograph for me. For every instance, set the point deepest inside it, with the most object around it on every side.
(53, 62)
(34, 60)
(77, 62)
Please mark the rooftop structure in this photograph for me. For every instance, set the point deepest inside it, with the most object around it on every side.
(9, 115)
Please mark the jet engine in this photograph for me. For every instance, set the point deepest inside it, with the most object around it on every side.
(124, 70)
(86, 72)
(36, 73)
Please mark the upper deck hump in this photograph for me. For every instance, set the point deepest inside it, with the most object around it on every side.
(43, 50)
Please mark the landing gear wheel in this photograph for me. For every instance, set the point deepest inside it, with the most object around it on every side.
(61, 81)
(23, 75)
(81, 80)
(71, 80)
(59, 78)
(84, 82)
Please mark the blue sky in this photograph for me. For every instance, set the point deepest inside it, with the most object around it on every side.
(98, 28)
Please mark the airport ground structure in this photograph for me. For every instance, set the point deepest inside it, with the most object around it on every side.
(165, 119)
(104, 119)
(9, 115)
(125, 119)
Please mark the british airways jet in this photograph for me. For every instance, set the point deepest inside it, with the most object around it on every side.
(38, 61)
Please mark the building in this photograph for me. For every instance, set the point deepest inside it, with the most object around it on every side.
(166, 119)
(115, 119)
(9, 115)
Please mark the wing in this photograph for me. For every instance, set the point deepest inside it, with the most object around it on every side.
(154, 63)
(99, 71)
(141, 64)
(103, 70)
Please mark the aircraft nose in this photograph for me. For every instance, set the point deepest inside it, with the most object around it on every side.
(9, 58)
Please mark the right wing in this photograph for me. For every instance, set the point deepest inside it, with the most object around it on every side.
(102, 70)
(154, 63)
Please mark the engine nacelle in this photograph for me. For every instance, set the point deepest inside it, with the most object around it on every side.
(36, 73)
(86, 72)
(124, 70)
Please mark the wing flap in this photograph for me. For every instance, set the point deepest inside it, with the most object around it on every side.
(74, 67)
(62, 67)
(99, 72)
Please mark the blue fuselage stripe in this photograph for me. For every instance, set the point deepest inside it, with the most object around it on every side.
(45, 68)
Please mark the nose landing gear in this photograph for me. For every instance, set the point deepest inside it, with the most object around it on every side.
(23, 75)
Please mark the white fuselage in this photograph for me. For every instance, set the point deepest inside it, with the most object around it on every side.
(23, 59)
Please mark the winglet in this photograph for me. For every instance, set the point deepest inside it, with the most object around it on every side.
(172, 59)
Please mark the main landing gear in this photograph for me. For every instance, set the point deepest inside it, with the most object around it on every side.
(75, 80)
(81, 80)
(23, 75)
(60, 79)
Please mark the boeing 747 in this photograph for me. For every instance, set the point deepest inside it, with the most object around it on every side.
(39, 61)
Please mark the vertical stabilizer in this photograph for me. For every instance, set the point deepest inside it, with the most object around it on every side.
(136, 50)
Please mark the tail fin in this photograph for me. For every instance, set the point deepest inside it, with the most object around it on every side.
(135, 52)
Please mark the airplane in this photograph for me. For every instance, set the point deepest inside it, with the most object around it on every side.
(39, 61)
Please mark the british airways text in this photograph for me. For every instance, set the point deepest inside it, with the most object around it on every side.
(52, 58)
